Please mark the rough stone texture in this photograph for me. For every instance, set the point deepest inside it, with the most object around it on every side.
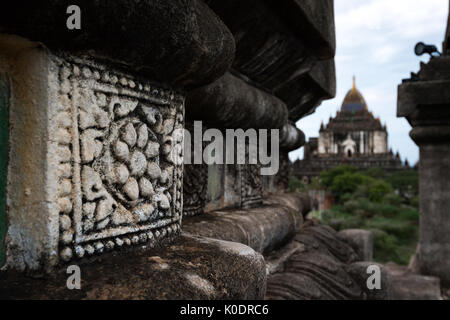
(232, 103)
(323, 267)
(281, 179)
(190, 268)
(284, 57)
(4, 134)
(409, 286)
(361, 241)
(358, 271)
(181, 43)
(263, 228)
(318, 85)
(291, 138)
(113, 136)
(195, 178)
(231, 185)
(425, 102)
(278, 44)
(95, 158)
(276, 259)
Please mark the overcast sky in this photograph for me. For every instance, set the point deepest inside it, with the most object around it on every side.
(375, 42)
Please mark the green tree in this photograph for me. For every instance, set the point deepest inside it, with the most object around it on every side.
(327, 177)
(378, 189)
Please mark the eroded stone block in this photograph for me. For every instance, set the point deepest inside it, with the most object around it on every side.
(112, 162)
(121, 148)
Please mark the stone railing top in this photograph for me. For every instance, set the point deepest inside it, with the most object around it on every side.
(176, 42)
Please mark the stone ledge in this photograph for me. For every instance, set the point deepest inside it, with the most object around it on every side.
(190, 268)
(263, 228)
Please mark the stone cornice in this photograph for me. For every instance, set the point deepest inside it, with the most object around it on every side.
(425, 103)
(176, 42)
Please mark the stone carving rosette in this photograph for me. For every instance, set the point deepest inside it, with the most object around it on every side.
(120, 160)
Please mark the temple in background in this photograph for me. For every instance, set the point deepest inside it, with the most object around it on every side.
(354, 137)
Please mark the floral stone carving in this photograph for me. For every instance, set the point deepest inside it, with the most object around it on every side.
(120, 160)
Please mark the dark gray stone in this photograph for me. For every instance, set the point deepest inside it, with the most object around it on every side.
(291, 138)
(358, 271)
(232, 103)
(278, 45)
(190, 268)
(317, 270)
(409, 286)
(263, 228)
(177, 42)
(195, 181)
(360, 240)
(318, 85)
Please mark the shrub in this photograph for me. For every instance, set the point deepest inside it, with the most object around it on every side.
(296, 184)
(406, 183)
(378, 189)
(393, 199)
(327, 177)
(376, 173)
(347, 183)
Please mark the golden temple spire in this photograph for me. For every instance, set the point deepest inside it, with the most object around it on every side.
(353, 99)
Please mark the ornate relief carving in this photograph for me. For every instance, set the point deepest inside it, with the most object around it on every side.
(251, 183)
(282, 177)
(195, 182)
(120, 154)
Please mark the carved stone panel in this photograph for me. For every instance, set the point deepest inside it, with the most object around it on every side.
(251, 180)
(120, 170)
(282, 177)
(251, 185)
(234, 185)
(195, 182)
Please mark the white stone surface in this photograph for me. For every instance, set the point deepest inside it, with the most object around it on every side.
(85, 169)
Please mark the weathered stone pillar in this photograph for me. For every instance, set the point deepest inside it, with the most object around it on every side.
(96, 117)
(425, 102)
(95, 159)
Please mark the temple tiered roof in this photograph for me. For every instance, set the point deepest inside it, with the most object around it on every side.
(354, 115)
